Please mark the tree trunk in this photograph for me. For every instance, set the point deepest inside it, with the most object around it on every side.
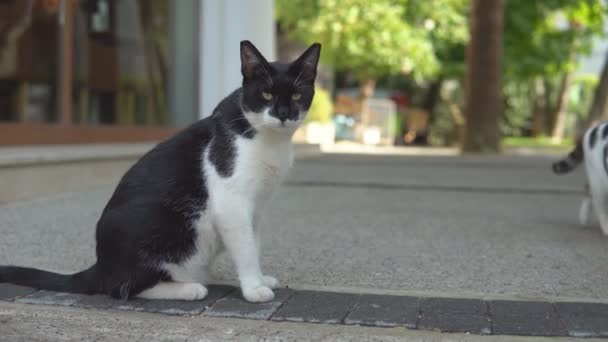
(539, 110)
(366, 91)
(599, 106)
(561, 111)
(432, 98)
(483, 97)
(428, 105)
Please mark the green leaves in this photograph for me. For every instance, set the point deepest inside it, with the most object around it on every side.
(370, 38)
(544, 37)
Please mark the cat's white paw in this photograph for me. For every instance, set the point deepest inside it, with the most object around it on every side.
(258, 294)
(193, 292)
(269, 281)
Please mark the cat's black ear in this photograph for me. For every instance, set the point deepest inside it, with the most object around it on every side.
(306, 64)
(251, 59)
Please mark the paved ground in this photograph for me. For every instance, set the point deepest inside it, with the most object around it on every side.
(455, 226)
(448, 315)
(479, 227)
(32, 323)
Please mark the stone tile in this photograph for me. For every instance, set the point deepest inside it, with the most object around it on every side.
(455, 315)
(176, 307)
(584, 319)
(525, 318)
(316, 307)
(385, 311)
(235, 306)
(68, 299)
(10, 291)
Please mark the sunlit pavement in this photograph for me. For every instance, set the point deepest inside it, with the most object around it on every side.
(491, 228)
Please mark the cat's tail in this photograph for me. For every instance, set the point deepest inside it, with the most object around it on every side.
(87, 281)
(572, 160)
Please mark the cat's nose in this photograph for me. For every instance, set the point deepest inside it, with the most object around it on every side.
(282, 113)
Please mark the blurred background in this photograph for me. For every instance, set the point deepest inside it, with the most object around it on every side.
(479, 75)
(389, 189)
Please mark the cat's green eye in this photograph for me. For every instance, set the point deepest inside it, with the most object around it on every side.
(267, 96)
(296, 96)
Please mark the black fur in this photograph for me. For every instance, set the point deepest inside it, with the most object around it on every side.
(604, 132)
(593, 137)
(572, 160)
(605, 155)
(149, 218)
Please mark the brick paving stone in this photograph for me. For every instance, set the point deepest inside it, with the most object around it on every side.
(316, 307)
(525, 318)
(455, 315)
(176, 307)
(235, 306)
(10, 292)
(385, 311)
(584, 319)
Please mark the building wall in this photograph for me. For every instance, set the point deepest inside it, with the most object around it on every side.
(224, 23)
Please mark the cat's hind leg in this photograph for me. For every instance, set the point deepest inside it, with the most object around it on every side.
(600, 203)
(175, 291)
(584, 214)
(267, 280)
(603, 218)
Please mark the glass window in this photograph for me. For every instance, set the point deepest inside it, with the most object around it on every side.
(118, 67)
(28, 60)
(120, 60)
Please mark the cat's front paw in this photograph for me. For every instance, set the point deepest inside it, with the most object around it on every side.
(271, 282)
(258, 294)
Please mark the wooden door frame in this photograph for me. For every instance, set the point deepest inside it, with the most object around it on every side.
(43, 134)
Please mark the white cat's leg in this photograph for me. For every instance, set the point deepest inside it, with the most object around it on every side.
(269, 281)
(603, 218)
(599, 207)
(236, 229)
(175, 291)
(584, 214)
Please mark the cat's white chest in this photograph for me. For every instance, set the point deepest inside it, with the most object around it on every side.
(260, 165)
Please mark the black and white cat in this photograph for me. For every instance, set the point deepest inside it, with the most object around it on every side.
(198, 193)
(593, 149)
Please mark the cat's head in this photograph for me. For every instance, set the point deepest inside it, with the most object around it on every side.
(277, 96)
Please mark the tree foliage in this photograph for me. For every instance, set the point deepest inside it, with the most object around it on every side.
(544, 37)
(447, 28)
(545, 40)
(370, 38)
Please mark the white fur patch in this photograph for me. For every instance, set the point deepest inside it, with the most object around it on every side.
(597, 178)
(175, 291)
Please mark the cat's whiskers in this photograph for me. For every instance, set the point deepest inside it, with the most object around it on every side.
(305, 80)
(295, 83)
(236, 120)
(251, 129)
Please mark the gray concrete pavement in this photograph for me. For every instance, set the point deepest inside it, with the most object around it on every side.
(34, 323)
(471, 226)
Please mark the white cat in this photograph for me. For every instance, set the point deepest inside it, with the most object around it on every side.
(593, 149)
